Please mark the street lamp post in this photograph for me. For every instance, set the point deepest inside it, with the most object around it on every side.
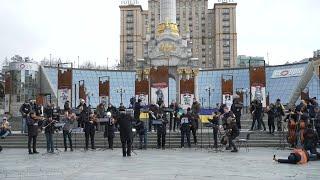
(121, 91)
(209, 90)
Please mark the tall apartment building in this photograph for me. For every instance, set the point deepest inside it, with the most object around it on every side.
(212, 31)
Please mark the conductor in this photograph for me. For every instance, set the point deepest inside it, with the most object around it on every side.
(124, 121)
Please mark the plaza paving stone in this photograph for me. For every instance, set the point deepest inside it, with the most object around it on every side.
(153, 164)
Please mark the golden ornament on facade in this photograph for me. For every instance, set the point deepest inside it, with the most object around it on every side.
(180, 71)
(195, 71)
(172, 27)
(167, 47)
(188, 71)
(147, 71)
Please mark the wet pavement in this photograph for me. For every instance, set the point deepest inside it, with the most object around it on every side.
(153, 164)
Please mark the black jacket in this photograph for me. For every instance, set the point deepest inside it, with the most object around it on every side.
(125, 125)
(236, 108)
(32, 127)
(140, 127)
(25, 109)
(50, 128)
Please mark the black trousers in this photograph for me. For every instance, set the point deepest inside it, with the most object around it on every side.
(91, 135)
(194, 134)
(318, 132)
(150, 125)
(32, 139)
(238, 117)
(175, 123)
(161, 138)
(271, 125)
(231, 143)
(256, 120)
(287, 161)
(171, 121)
(126, 143)
(67, 134)
(260, 122)
(110, 141)
(185, 131)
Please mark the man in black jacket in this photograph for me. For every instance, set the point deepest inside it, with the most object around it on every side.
(236, 109)
(25, 110)
(185, 128)
(32, 122)
(142, 131)
(84, 113)
(161, 130)
(89, 130)
(109, 129)
(137, 108)
(125, 124)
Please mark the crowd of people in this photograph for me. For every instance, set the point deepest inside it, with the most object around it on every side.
(303, 123)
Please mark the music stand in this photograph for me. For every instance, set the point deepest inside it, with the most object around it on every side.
(58, 126)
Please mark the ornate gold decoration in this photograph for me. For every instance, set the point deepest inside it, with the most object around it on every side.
(188, 71)
(180, 71)
(173, 27)
(146, 71)
(167, 47)
(195, 71)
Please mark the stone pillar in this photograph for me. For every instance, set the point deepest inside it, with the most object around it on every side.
(168, 11)
(179, 77)
(196, 90)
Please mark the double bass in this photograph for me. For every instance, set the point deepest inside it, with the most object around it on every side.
(291, 129)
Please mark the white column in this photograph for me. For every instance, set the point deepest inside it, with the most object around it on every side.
(168, 11)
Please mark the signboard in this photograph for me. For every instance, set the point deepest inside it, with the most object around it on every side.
(18, 66)
(144, 98)
(142, 91)
(129, 2)
(64, 95)
(186, 100)
(259, 92)
(284, 73)
(257, 79)
(227, 99)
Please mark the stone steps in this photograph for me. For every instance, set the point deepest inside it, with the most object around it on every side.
(257, 139)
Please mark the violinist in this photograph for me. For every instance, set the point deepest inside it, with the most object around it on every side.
(32, 123)
(230, 126)
(89, 130)
(49, 129)
(161, 129)
(68, 119)
(109, 129)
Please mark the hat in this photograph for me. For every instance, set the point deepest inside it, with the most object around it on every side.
(122, 109)
(82, 100)
(188, 109)
(4, 118)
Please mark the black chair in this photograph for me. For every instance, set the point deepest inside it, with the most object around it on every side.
(244, 142)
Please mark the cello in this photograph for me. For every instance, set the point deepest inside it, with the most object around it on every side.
(291, 129)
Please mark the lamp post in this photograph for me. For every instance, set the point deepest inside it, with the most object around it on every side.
(120, 91)
(209, 90)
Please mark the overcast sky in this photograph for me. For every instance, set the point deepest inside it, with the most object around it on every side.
(288, 30)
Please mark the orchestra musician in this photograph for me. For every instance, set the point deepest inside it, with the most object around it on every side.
(230, 126)
(68, 120)
(49, 129)
(125, 125)
(109, 129)
(25, 110)
(83, 113)
(194, 126)
(32, 123)
(185, 123)
(89, 130)
(161, 130)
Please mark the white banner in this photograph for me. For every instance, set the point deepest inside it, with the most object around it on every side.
(63, 96)
(186, 100)
(258, 92)
(7, 103)
(23, 66)
(158, 93)
(144, 99)
(227, 99)
(284, 73)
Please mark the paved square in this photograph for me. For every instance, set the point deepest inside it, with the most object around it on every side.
(153, 164)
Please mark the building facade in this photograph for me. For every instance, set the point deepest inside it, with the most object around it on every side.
(212, 31)
(243, 61)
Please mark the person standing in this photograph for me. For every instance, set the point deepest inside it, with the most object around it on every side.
(279, 113)
(109, 129)
(49, 130)
(83, 113)
(142, 131)
(185, 123)
(153, 112)
(271, 111)
(32, 123)
(194, 125)
(125, 125)
(137, 109)
(89, 130)
(236, 108)
(195, 107)
(25, 110)
(161, 131)
(68, 120)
